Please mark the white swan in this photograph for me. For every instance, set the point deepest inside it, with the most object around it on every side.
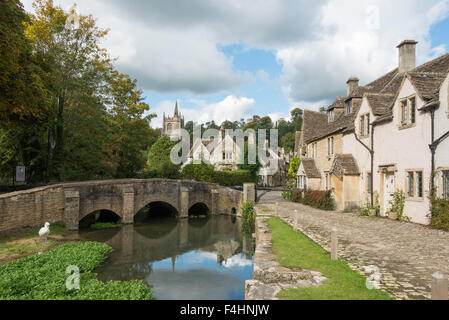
(45, 231)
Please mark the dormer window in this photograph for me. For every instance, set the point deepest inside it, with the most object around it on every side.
(331, 115)
(407, 112)
(349, 107)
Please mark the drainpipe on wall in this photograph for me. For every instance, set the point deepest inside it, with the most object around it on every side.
(371, 151)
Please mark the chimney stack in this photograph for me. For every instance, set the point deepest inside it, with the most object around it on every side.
(352, 83)
(407, 55)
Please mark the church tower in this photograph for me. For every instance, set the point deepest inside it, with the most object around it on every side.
(172, 125)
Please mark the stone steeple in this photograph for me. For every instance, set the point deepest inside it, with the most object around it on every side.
(171, 126)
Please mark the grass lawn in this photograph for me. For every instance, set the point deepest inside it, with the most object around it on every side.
(43, 276)
(295, 250)
(26, 242)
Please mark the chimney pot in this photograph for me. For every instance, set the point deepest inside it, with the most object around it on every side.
(407, 55)
(352, 83)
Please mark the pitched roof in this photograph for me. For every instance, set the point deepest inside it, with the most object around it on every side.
(310, 168)
(380, 103)
(314, 123)
(345, 165)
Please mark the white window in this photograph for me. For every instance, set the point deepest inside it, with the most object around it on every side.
(369, 177)
(301, 182)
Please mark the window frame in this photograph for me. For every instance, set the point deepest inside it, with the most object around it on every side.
(407, 112)
(445, 184)
(349, 107)
(417, 187)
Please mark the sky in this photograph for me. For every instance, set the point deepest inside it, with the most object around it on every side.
(232, 59)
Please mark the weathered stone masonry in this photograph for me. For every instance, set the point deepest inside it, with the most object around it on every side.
(70, 202)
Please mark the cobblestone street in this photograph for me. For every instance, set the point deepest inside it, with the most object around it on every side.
(406, 254)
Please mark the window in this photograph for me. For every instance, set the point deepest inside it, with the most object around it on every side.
(314, 150)
(415, 184)
(446, 184)
(408, 112)
(301, 182)
(331, 115)
(411, 190)
(362, 125)
(330, 146)
(412, 110)
(349, 107)
(367, 124)
(404, 113)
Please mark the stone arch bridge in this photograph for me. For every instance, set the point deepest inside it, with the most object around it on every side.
(70, 202)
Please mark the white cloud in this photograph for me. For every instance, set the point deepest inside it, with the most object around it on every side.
(232, 108)
(172, 46)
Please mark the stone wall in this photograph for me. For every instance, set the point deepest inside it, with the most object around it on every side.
(71, 202)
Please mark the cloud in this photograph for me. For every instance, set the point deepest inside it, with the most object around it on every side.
(173, 45)
(231, 108)
(357, 39)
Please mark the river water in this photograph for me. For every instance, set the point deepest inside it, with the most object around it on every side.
(188, 259)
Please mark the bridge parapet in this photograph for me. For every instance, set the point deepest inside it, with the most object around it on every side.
(71, 202)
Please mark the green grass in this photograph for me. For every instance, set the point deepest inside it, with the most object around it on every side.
(56, 229)
(295, 250)
(43, 276)
(105, 225)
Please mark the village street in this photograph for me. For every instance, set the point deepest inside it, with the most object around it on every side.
(405, 254)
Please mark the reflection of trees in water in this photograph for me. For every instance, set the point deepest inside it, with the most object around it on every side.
(137, 247)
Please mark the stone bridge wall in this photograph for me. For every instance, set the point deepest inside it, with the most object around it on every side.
(70, 202)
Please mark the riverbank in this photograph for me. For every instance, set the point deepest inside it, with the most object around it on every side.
(43, 276)
(26, 242)
(284, 253)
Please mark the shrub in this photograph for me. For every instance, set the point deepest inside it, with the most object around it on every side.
(206, 173)
(293, 169)
(440, 214)
(297, 195)
(249, 217)
(43, 276)
(397, 205)
(319, 199)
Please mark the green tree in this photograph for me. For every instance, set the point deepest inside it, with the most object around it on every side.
(159, 164)
(293, 170)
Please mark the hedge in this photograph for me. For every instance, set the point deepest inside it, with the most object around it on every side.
(318, 199)
(206, 173)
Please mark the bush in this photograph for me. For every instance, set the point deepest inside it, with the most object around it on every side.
(293, 169)
(440, 214)
(249, 217)
(206, 173)
(319, 199)
(43, 276)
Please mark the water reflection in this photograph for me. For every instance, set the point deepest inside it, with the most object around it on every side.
(180, 259)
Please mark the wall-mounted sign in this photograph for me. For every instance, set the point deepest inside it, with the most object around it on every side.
(20, 174)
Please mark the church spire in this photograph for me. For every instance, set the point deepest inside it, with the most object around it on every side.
(176, 109)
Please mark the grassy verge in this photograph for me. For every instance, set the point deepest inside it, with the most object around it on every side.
(26, 242)
(264, 209)
(105, 225)
(295, 250)
(43, 276)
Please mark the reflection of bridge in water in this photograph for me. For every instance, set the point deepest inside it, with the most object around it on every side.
(136, 247)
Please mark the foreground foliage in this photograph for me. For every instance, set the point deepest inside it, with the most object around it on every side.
(249, 218)
(295, 250)
(105, 225)
(43, 276)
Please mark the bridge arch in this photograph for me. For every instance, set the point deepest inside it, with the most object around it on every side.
(102, 215)
(199, 208)
(156, 208)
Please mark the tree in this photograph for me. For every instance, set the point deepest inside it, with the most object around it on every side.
(75, 60)
(288, 141)
(159, 164)
(131, 131)
(293, 170)
(23, 96)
